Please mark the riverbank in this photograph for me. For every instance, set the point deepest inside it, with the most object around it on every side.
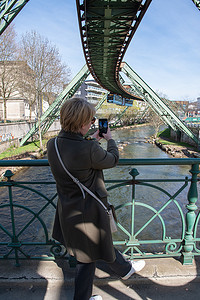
(27, 155)
(167, 145)
(38, 154)
(175, 150)
(130, 126)
(164, 143)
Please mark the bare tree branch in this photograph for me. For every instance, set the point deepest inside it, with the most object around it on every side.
(50, 74)
(9, 71)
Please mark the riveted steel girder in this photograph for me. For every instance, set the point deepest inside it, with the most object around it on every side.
(142, 114)
(8, 11)
(120, 116)
(107, 27)
(103, 99)
(155, 102)
(54, 109)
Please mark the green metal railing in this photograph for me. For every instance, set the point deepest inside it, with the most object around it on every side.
(145, 225)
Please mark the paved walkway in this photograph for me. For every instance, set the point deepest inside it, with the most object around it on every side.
(161, 279)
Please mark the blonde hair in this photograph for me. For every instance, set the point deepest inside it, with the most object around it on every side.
(75, 113)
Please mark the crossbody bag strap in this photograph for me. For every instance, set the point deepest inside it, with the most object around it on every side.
(80, 185)
(70, 175)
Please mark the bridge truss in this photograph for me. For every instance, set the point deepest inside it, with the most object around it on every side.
(52, 113)
(140, 88)
(9, 9)
(107, 28)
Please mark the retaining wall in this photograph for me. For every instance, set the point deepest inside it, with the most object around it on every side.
(180, 136)
(12, 133)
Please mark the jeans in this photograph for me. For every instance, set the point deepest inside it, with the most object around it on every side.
(85, 275)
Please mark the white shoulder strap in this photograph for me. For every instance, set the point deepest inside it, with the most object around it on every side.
(81, 186)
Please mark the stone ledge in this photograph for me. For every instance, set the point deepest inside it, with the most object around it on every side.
(39, 272)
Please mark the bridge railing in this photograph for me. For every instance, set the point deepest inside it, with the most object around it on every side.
(157, 217)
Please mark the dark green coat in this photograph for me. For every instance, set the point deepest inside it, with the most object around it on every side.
(82, 225)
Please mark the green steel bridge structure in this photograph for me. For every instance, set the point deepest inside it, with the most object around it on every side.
(132, 237)
(106, 28)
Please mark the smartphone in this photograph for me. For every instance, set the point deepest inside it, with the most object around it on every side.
(103, 126)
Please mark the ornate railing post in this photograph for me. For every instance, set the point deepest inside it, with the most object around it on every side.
(132, 241)
(188, 243)
(15, 243)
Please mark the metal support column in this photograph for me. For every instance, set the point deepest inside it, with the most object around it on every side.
(8, 11)
(120, 116)
(54, 109)
(156, 103)
(142, 114)
(103, 99)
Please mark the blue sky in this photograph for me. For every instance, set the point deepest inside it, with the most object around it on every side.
(165, 50)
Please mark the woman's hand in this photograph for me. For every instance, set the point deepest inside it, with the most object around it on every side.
(107, 136)
(96, 136)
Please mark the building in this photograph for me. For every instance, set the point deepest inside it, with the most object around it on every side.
(183, 104)
(17, 86)
(17, 109)
(189, 111)
(91, 91)
(14, 103)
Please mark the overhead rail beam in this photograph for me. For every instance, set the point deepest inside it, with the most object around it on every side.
(8, 11)
(53, 111)
(158, 105)
(103, 99)
(107, 28)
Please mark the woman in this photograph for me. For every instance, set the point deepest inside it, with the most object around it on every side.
(82, 225)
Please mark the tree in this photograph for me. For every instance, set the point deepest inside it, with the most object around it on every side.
(130, 115)
(9, 67)
(49, 73)
(155, 122)
(26, 86)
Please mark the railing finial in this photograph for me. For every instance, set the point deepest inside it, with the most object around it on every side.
(8, 174)
(134, 172)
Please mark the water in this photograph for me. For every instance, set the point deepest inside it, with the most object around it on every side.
(146, 197)
(132, 144)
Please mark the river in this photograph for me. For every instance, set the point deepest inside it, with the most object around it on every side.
(132, 144)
